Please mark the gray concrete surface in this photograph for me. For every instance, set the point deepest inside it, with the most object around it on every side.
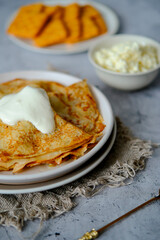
(139, 110)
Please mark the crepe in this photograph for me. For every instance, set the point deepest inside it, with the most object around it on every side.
(22, 144)
(74, 103)
(78, 125)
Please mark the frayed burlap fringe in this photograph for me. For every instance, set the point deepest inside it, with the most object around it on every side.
(127, 156)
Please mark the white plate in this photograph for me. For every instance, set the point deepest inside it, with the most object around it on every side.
(109, 16)
(54, 183)
(43, 173)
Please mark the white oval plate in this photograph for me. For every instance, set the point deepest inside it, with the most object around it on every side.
(44, 172)
(54, 183)
(109, 16)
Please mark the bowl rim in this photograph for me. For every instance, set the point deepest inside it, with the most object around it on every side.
(109, 38)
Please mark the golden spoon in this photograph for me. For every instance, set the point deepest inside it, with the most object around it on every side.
(95, 233)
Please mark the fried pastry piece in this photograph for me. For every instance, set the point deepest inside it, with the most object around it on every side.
(56, 12)
(71, 12)
(27, 24)
(35, 7)
(72, 22)
(50, 10)
(74, 29)
(59, 13)
(89, 28)
(89, 11)
(101, 24)
(54, 32)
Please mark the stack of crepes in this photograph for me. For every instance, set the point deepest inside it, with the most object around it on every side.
(78, 126)
(49, 25)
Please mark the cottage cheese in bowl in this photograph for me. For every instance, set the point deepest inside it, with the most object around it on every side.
(127, 57)
(126, 62)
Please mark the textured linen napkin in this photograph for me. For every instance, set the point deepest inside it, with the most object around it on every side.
(127, 156)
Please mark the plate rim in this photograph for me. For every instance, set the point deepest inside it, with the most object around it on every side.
(47, 50)
(79, 161)
(67, 179)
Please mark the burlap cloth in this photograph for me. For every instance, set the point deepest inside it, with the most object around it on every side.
(127, 156)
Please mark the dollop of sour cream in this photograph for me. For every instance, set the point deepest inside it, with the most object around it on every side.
(30, 104)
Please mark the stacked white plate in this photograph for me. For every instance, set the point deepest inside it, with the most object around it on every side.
(43, 177)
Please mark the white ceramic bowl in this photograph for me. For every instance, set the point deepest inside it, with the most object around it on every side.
(124, 81)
